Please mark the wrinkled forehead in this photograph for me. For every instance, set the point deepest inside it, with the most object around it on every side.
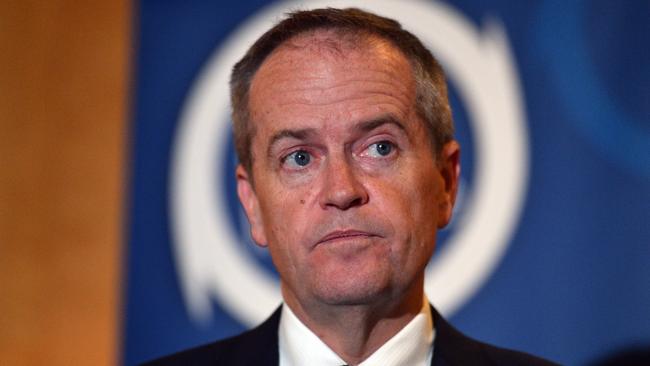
(316, 70)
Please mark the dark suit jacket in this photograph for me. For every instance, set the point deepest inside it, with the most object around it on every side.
(259, 347)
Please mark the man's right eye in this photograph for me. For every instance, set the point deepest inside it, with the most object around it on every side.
(297, 159)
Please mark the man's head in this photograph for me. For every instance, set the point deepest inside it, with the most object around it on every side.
(355, 26)
(351, 180)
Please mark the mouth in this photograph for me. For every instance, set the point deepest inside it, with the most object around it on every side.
(344, 235)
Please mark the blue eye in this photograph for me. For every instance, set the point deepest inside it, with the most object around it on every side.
(381, 148)
(300, 158)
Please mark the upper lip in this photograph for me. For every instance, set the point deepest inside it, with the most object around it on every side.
(337, 234)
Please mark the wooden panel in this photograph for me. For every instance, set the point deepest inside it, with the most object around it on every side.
(63, 78)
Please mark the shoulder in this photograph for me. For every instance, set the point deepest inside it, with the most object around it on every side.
(451, 347)
(258, 346)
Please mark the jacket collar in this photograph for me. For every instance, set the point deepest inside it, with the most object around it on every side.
(451, 347)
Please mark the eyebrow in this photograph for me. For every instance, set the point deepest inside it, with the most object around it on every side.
(365, 126)
(374, 123)
(299, 134)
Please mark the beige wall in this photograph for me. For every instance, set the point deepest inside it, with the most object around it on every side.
(63, 77)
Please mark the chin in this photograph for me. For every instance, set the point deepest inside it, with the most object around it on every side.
(357, 292)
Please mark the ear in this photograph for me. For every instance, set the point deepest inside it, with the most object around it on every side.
(249, 201)
(449, 168)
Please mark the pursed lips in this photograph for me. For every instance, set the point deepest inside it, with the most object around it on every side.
(345, 234)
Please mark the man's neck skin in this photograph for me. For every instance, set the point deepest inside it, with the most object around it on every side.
(355, 332)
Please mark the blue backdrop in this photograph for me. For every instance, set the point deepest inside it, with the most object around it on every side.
(573, 280)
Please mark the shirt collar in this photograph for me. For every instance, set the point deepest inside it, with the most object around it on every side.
(412, 345)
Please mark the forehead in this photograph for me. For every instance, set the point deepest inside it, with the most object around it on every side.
(323, 73)
(321, 52)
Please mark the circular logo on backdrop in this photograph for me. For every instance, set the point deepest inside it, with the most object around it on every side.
(210, 261)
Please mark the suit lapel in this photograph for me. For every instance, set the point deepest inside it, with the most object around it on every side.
(259, 347)
(451, 347)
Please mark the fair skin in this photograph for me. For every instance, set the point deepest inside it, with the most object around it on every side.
(348, 193)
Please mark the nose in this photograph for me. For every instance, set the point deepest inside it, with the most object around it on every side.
(342, 187)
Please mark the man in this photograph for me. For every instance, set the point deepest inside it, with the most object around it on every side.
(348, 169)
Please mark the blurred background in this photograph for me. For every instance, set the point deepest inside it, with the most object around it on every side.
(101, 105)
(64, 79)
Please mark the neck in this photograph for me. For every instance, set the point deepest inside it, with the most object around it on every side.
(355, 332)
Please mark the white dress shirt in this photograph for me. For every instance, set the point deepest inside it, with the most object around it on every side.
(412, 345)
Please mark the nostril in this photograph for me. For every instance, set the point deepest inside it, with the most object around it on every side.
(343, 199)
(356, 202)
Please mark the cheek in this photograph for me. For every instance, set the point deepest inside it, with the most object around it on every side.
(410, 203)
(426, 207)
(288, 219)
(425, 211)
(287, 214)
(392, 203)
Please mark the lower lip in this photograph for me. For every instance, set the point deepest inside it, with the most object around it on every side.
(347, 239)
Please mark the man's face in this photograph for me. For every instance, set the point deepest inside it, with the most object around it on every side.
(347, 192)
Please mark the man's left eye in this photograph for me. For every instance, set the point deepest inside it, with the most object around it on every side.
(381, 148)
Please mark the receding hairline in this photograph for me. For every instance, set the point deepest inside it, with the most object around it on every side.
(332, 44)
(332, 36)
